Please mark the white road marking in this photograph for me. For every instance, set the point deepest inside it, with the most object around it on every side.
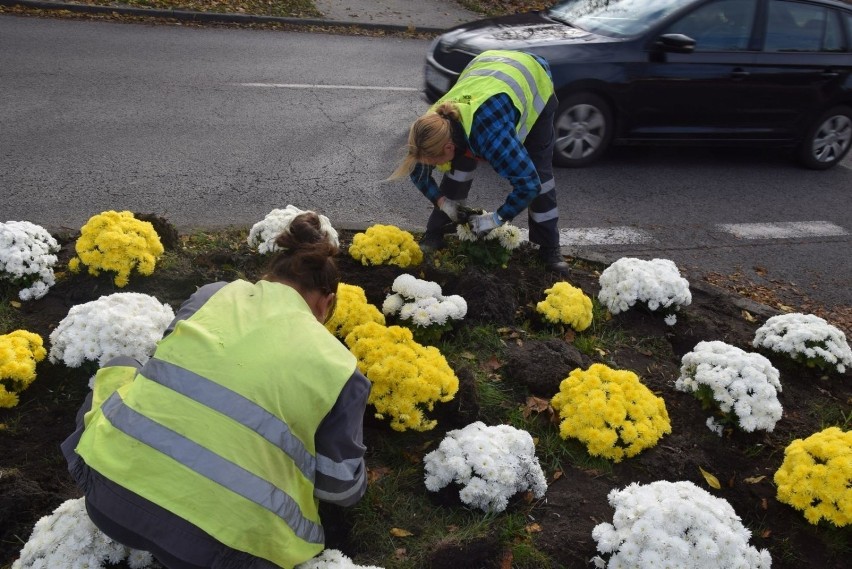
(783, 229)
(599, 236)
(346, 87)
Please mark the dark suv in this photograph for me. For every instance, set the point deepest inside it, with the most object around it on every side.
(726, 72)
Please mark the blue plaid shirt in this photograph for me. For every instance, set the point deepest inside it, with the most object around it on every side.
(493, 139)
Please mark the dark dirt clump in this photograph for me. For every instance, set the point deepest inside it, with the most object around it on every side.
(33, 480)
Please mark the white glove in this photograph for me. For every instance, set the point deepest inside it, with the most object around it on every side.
(450, 207)
(482, 224)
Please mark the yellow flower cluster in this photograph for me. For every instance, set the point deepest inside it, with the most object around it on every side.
(20, 351)
(407, 378)
(566, 304)
(816, 476)
(610, 411)
(117, 241)
(386, 245)
(352, 310)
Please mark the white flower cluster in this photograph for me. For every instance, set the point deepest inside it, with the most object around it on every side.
(422, 302)
(263, 234)
(675, 524)
(68, 539)
(742, 382)
(27, 255)
(491, 463)
(332, 559)
(508, 235)
(657, 283)
(805, 336)
(119, 324)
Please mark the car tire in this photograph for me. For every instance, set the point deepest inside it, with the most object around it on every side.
(583, 128)
(828, 140)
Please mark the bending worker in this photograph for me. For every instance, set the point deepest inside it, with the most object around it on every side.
(216, 452)
(501, 111)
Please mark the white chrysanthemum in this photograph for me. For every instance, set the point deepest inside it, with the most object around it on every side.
(392, 304)
(657, 283)
(422, 303)
(68, 538)
(743, 383)
(411, 287)
(332, 559)
(27, 256)
(119, 324)
(264, 233)
(675, 524)
(492, 464)
(509, 236)
(805, 336)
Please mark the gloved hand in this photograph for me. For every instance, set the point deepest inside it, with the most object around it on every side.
(482, 224)
(450, 207)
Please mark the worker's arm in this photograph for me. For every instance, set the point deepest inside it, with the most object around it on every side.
(493, 138)
(341, 473)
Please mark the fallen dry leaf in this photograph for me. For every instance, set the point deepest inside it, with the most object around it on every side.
(536, 405)
(533, 528)
(765, 533)
(557, 475)
(492, 364)
(569, 336)
(711, 480)
(399, 532)
(753, 479)
(377, 473)
(506, 560)
(748, 317)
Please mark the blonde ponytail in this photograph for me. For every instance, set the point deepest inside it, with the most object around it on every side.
(427, 137)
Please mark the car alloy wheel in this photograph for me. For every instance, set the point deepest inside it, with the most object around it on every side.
(583, 127)
(829, 140)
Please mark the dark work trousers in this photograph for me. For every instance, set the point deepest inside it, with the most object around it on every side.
(140, 524)
(543, 213)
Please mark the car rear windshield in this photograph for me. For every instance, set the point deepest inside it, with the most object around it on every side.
(615, 18)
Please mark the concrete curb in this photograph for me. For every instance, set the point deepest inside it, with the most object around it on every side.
(211, 17)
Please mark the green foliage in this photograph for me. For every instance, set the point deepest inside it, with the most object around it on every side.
(483, 253)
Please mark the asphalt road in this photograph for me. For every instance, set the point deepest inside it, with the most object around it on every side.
(216, 127)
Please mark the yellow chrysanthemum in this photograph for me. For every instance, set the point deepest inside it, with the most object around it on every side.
(610, 411)
(117, 242)
(566, 304)
(407, 378)
(816, 476)
(20, 351)
(386, 245)
(352, 310)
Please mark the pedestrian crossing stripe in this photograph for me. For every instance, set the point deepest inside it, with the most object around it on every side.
(783, 229)
(578, 236)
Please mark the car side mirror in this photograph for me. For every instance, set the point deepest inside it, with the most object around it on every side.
(675, 43)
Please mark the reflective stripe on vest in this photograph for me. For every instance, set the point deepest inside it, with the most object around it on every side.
(537, 103)
(211, 466)
(233, 405)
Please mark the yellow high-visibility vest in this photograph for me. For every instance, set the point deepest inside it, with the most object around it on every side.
(514, 73)
(218, 427)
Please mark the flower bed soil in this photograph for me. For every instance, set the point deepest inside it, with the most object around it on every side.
(33, 479)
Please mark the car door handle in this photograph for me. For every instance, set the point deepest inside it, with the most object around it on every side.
(830, 74)
(739, 73)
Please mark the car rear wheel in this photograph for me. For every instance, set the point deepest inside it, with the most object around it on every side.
(828, 140)
(584, 130)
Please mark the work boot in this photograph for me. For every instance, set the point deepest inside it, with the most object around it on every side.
(431, 242)
(553, 260)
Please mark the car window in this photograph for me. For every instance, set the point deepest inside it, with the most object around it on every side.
(848, 18)
(615, 18)
(795, 26)
(724, 25)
